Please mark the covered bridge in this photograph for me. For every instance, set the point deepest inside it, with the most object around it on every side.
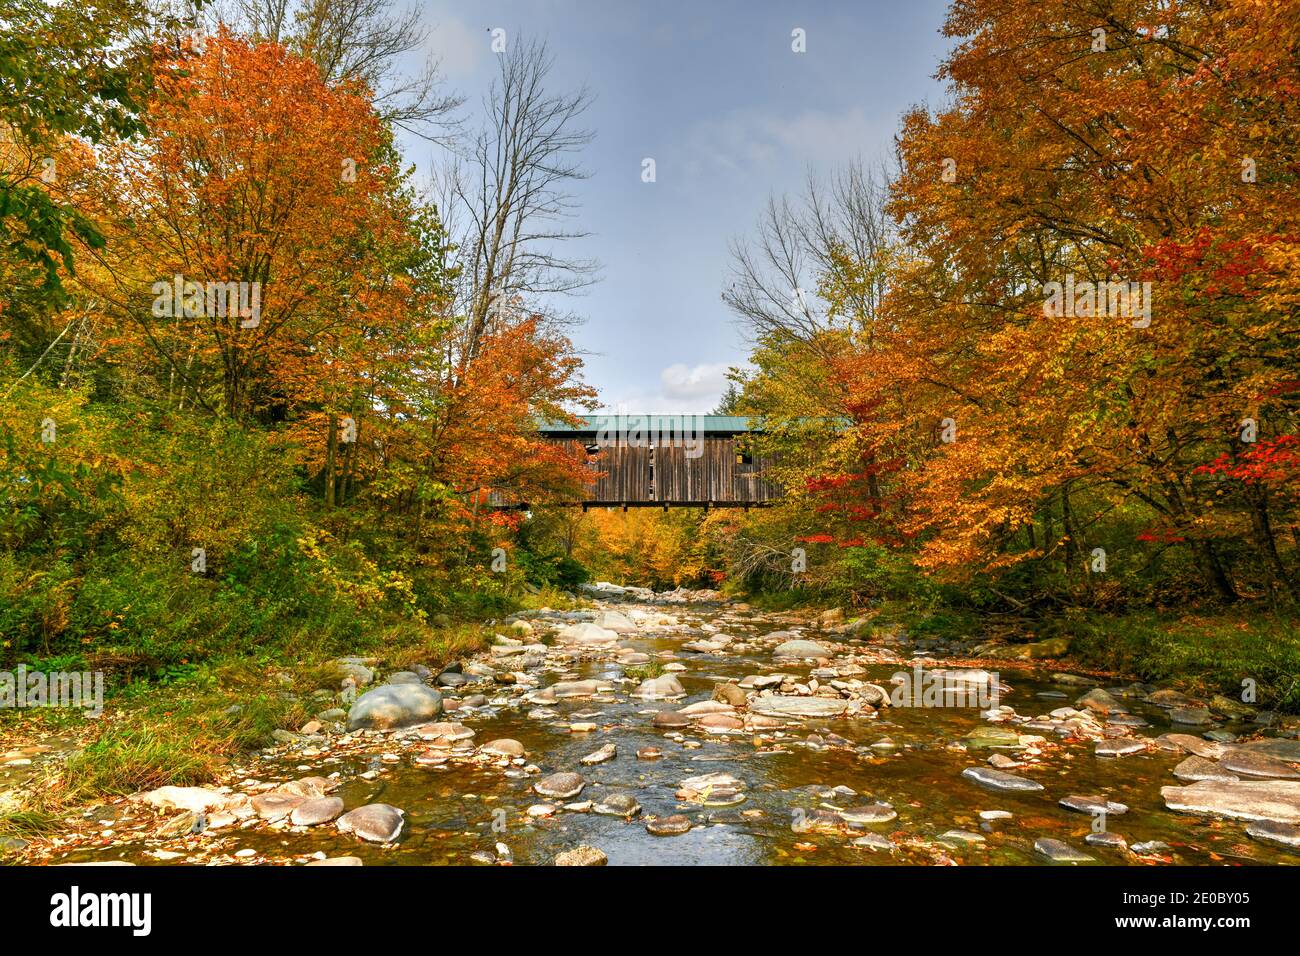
(682, 461)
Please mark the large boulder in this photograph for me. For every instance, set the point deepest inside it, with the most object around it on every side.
(394, 705)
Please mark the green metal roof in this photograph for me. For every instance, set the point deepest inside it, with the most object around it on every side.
(659, 424)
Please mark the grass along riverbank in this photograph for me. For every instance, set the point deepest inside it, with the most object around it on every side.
(184, 731)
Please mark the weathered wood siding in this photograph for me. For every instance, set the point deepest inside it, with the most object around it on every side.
(705, 477)
(668, 472)
(627, 474)
(640, 474)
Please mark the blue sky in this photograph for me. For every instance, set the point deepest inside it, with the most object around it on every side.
(714, 94)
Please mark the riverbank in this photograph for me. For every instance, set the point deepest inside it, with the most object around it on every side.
(747, 736)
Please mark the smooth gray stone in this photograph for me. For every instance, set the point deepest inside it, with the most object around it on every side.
(1000, 780)
(394, 705)
(1059, 852)
(376, 822)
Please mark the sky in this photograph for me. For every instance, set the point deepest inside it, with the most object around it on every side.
(712, 91)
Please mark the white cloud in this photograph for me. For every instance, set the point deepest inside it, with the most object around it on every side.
(458, 46)
(683, 389)
(684, 382)
(749, 138)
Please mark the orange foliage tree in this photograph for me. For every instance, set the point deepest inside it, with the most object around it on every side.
(1142, 156)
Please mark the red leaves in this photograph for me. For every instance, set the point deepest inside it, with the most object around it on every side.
(1271, 462)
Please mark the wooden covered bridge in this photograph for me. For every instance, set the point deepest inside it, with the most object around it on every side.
(669, 461)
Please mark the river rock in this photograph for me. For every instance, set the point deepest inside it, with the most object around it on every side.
(308, 787)
(580, 688)
(337, 861)
(617, 805)
(1199, 746)
(798, 707)
(1198, 768)
(394, 705)
(616, 622)
(443, 730)
(1093, 805)
(664, 687)
(673, 825)
(194, 799)
(586, 634)
(1280, 834)
(504, 747)
(315, 812)
(1099, 701)
(1119, 746)
(1279, 747)
(731, 694)
(276, 806)
(1112, 841)
(404, 677)
(1000, 780)
(1232, 709)
(1267, 800)
(670, 720)
(582, 856)
(1169, 699)
(560, 786)
(1059, 852)
(375, 822)
(607, 752)
(353, 669)
(1250, 763)
(712, 789)
(720, 723)
(875, 695)
(802, 650)
(1192, 716)
(877, 812)
(872, 841)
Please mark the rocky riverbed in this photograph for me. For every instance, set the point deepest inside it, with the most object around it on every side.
(680, 729)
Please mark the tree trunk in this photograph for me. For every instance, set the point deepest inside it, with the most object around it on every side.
(331, 447)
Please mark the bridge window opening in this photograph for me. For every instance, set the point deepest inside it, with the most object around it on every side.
(744, 458)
